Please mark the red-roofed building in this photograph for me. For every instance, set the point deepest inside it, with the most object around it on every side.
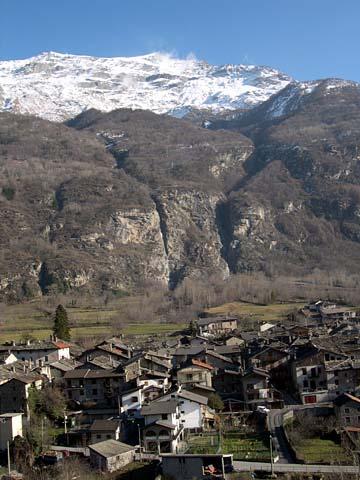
(38, 353)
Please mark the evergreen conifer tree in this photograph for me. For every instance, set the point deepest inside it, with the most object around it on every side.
(61, 327)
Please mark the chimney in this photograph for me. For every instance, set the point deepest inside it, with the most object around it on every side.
(28, 342)
(13, 343)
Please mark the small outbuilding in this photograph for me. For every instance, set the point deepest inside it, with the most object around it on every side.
(111, 455)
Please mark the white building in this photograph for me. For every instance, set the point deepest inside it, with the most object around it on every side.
(10, 427)
(163, 430)
(38, 353)
(193, 408)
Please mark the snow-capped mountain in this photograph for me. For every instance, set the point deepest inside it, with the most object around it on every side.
(295, 94)
(59, 86)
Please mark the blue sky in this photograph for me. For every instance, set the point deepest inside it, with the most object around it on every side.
(307, 39)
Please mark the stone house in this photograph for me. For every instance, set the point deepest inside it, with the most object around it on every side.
(185, 354)
(217, 325)
(347, 410)
(216, 360)
(256, 389)
(101, 430)
(227, 383)
(196, 373)
(111, 455)
(269, 358)
(342, 377)
(98, 386)
(14, 393)
(309, 374)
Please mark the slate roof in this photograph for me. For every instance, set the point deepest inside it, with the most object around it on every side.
(157, 408)
(111, 448)
(32, 346)
(66, 365)
(193, 397)
(104, 425)
(192, 350)
(104, 362)
(87, 373)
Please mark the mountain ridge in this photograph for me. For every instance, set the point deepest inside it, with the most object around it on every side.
(59, 86)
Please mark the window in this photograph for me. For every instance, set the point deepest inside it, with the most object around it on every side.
(347, 419)
(336, 382)
(98, 436)
(134, 399)
(347, 410)
(93, 382)
(46, 358)
(69, 383)
(70, 394)
(306, 383)
(336, 373)
(304, 371)
(108, 436)
(164, 416)
(94, 391)
(81, 392)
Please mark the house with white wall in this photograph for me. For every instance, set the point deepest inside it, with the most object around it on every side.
(193, 408)
(163, 430)
(10, 427)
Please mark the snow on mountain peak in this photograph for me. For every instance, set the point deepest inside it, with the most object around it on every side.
(57, 86)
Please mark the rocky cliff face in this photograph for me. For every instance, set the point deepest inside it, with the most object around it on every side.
(78, 213)
(191, 237)
(110, 201)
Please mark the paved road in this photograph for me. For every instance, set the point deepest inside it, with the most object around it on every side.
(275, 424)
(293, 467)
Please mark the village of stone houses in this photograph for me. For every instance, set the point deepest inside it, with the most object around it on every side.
(211, 401)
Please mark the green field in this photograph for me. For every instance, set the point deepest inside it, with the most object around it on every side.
(251, 447)
(34, 318)
(260, 313)
(17, 321)
(318, 450)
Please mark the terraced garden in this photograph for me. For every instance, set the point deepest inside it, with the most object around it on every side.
(251, 447)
